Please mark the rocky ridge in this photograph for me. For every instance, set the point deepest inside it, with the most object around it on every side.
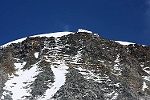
(77, 66)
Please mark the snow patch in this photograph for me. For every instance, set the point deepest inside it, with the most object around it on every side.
(56, 34)
(117, 59)
(91, 76)
(36, 54)
(16, 41)
(124, 43)
(117, 70)
(18, 86)
(142, 65)
(60, 78)
(112, 96)
(146, 78)
(83, 30)
(76, 58)
(144, 86)
(147, 71)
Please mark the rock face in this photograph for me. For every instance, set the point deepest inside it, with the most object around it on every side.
(77, 66)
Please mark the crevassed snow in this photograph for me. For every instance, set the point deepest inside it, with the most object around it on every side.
(60, 78)
(18, 85)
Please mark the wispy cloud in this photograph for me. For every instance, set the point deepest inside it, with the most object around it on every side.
(66, 28)
(147, 19)
(148, 10)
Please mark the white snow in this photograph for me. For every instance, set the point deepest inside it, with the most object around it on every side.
(112, 96)
(147, 71)
(36, 54)
(117, 84)
(16, 41)
(115, 95)
(124, 43)
(91, 76)
(59, 34)
(144, 86)
(18, 89)
(59, 69)
(19, 85)
(60, 78)
(116, 67)
(56, 34)
(83, 30)
(146, 78)
(76, 58)
(142, 65)
(117, 59)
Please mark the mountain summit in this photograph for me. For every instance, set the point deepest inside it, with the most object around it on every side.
(74, 66)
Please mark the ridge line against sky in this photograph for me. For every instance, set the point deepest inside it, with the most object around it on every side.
(121, 20)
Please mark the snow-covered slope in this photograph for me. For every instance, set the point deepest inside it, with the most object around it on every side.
(56, 34)
(22, 79)
(60, 34)
(73, 66)
(124, 43)
(83, 30)
(18, 83)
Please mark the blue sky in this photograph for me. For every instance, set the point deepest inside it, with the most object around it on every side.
(126, 20)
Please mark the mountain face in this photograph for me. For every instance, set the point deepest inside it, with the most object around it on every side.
(74, 66)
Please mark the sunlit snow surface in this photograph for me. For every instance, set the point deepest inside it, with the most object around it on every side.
(57, 34)
(124, 43)
(16, 41)
(17, 84)
(60, 78)
(83, 30)
(144, 86)
(36, 54)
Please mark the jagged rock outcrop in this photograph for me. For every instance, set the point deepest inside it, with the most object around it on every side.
(89, 68)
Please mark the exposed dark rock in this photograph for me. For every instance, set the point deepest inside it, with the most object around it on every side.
(108, 70)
